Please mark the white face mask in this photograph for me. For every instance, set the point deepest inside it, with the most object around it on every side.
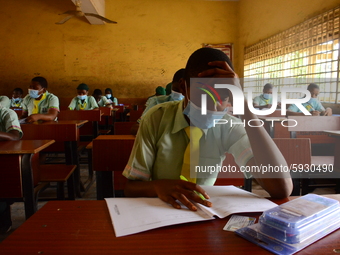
(202, 121)
(108, 95)
(82, 97)
(16, 99)
(267, 96)
(176, 96)
(33, 93)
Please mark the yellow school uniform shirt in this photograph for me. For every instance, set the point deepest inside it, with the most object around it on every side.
(161, 141)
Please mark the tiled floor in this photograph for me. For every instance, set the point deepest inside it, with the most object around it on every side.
(18, 213)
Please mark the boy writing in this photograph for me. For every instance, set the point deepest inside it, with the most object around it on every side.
(313, 105)
(156, 160)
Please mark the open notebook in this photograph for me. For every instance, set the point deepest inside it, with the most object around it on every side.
(134, 215)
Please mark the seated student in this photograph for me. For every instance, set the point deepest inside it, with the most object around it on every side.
(109, 95)
(264, 100)
(101, 101)
(39, 104)
(17, 98)
(5, 102)
(175, 95)
(83, 101)
(156, 160)
(314, 106)
(10, 130)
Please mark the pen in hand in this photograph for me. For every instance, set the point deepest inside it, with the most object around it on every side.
(199, 194)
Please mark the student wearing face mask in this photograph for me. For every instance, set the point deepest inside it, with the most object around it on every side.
(264, 100)
(155, 165)
(109, 95)
(82, 101)
(17, 98)
(175, 95)
(39, 104)
(314, 106)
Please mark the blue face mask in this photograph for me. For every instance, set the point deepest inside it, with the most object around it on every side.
(16, 99)
(267, 96)
(33, 93)
(202, 121)
(176, 96)
(82, 97)
(108, 95)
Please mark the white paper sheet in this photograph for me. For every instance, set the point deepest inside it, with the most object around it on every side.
(134, 215)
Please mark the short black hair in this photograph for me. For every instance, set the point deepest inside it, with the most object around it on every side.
(178, 75)
(109, 90)
(198, 61)
(19, 90)
(267, 86)
(41, 80)
(97, 92)
(313, 86)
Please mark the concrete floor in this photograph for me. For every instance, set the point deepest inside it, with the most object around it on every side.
(18, 213)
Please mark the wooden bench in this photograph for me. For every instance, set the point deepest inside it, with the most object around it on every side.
(123, 128)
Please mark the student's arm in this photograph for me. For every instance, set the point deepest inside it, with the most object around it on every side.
(139, 168)
(51, 115)
(265, 151)
(12, 135)
(93, 103)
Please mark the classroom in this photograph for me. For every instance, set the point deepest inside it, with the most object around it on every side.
(147, 43)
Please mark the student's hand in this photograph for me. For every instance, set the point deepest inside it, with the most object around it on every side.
(223, 71)
(268, 105)
(315, 113)
(32, 118)
(171, 190)
(328, 112)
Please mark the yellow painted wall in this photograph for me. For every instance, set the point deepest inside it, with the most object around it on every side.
(260, 19)
(152, 40)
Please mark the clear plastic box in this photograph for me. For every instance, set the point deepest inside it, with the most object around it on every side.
(297, 220)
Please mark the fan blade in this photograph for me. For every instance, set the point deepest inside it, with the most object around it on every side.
(100, 17)
(64, 20)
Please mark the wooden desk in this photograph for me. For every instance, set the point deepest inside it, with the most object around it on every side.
(84, 227)
(65, 133)
(15, 156)
(110, 153)
(90, 115)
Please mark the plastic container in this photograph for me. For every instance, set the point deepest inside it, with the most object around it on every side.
(298, 235)
(297, 220)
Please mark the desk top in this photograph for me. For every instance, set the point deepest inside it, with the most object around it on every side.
(116, 137)
(84, 227)
(24, 146)
(63, 130)
(332, 133)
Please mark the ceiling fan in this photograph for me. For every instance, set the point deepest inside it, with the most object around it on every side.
(79, 13)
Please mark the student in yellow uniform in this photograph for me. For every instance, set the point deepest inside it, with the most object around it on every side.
(109, 95)
(10, 130)
(5, 102)
(155, 164)
(17, 97)
(101, 100)
(314, 106)
(82, 101)
(264, 100)
(39, 104)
